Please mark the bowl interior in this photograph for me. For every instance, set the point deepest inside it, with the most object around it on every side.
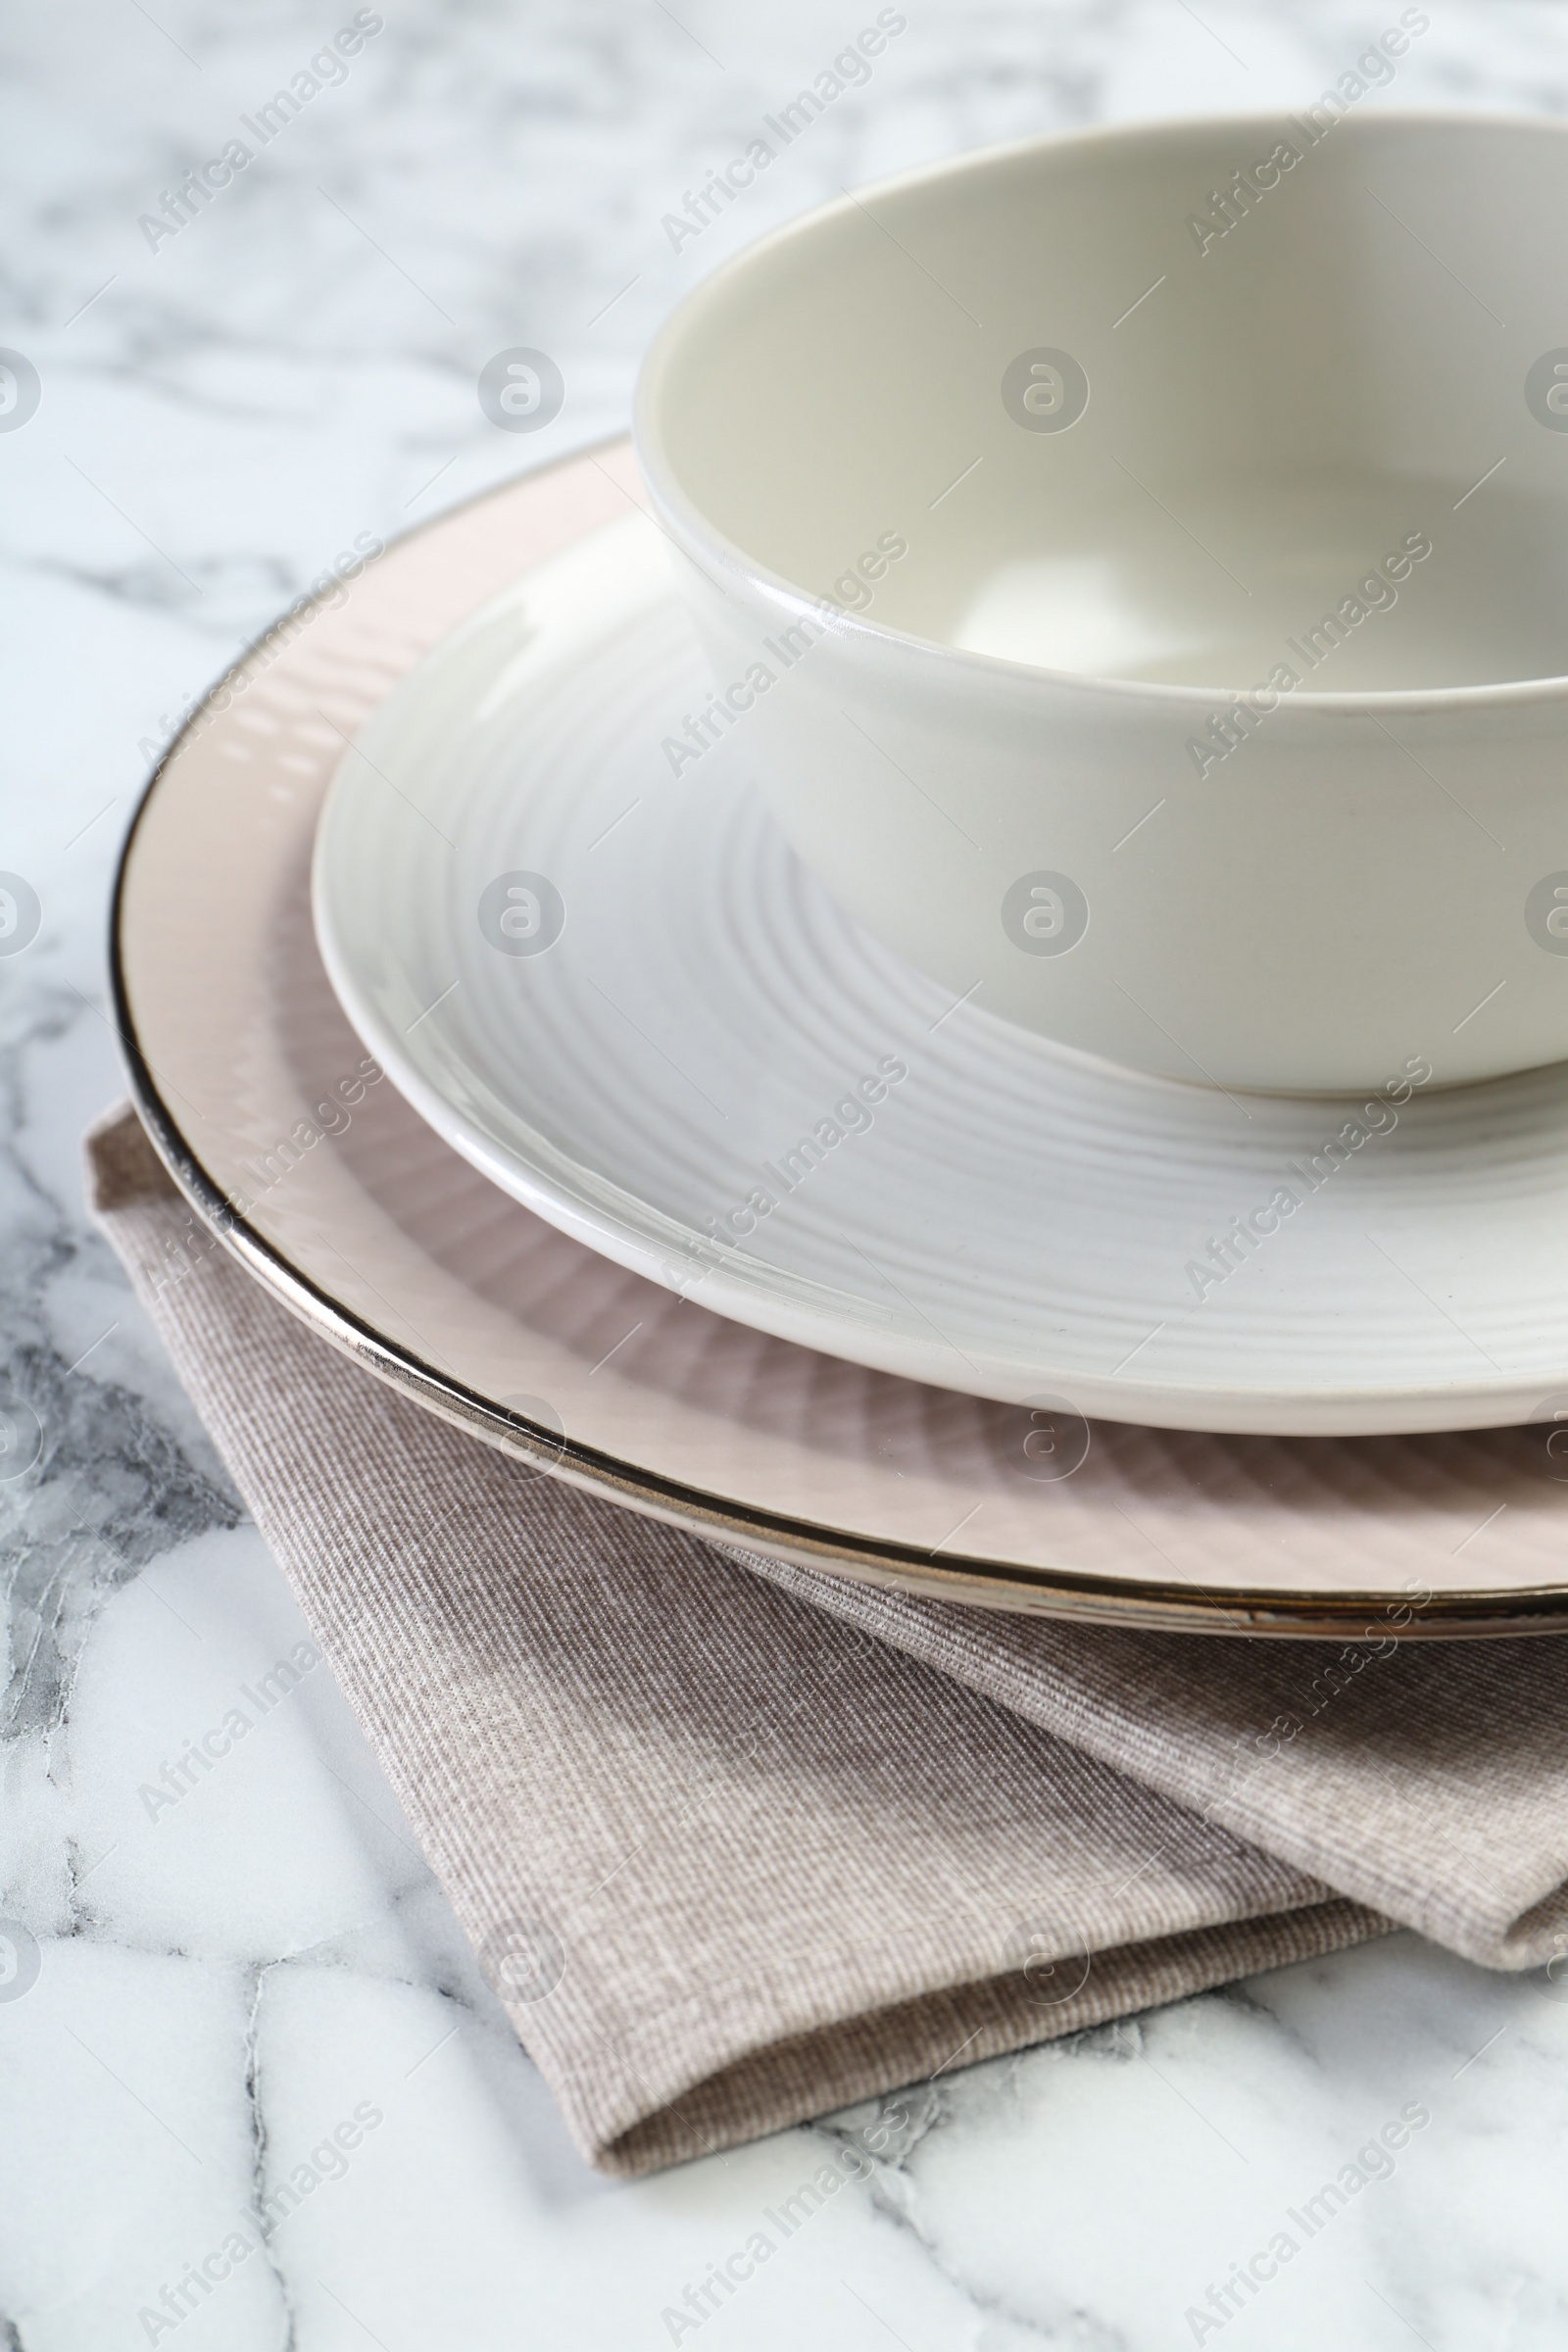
(1162, 404)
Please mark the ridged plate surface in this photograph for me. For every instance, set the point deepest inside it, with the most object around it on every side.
(712, 1075)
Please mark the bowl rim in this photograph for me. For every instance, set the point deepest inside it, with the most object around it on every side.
(731, 567)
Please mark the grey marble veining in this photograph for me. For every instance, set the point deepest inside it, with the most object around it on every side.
(210, 1975)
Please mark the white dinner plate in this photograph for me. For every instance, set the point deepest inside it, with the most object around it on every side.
(570, 932)
(359, 1218)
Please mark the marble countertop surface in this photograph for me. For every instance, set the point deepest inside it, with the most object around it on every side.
(190, 2002)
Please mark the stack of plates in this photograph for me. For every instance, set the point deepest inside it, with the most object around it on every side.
(472, 996)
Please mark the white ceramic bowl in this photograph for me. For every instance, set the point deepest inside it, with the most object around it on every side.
(1137, 565)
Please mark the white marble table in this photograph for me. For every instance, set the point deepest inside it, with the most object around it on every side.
(210, 1985)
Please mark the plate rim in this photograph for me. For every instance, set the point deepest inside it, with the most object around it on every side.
(1075, 1595)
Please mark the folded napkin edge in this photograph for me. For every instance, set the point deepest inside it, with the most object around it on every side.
(910, 2045)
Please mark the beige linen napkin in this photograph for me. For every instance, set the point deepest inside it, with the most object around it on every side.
(738, 1842)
